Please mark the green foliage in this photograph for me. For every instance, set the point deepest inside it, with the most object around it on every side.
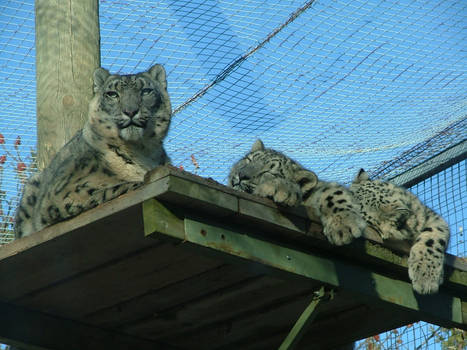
(452, 339)
(444, 338)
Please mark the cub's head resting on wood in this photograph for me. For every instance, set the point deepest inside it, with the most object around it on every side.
(129, 117)
(271, 174)
(268, 173)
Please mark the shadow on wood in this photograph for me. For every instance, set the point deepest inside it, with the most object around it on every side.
(185, 262)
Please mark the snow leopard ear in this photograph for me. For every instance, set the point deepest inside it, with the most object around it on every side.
(361, 176)
(157, 72)
(99, 78)
(307, 180)
(257, 146)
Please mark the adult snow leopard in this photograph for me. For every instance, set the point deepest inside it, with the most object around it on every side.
(129, 116)
(271, 174)
(396, 213)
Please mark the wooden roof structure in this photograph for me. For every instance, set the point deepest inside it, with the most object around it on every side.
(187, 263)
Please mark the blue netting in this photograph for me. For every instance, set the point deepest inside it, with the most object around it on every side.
(337, 85)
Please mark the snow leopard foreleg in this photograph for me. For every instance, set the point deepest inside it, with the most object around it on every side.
(426, 259)
(338, 211)
(280, 190)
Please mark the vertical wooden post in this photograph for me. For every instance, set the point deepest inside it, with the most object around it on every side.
(67, 53)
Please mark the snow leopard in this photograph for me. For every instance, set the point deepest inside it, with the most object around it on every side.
(394, 212)
(268, 173)
(122, 139)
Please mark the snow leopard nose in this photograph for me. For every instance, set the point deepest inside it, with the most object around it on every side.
(130, 113)
(242, 175)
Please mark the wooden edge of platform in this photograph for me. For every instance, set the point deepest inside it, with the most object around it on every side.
(183, 185)
(206, 195)
(104, 210)
(187, 193)
(227, 242)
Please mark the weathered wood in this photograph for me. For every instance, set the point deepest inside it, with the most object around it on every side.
(38, 331)
(245, 297)
(183, 266)
(67, 53)
(285, 218)
(301, 326)
(71, 247)
(333, 271)
(154, 302)
(267, 319)
(145, 270)
(286, 224)
(191, 191)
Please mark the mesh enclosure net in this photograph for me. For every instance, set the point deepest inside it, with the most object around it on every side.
(337, 85)
(446, 193)
(333, 84)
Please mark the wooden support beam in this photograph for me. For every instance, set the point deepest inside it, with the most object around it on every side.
(232, 244)
(31, 330)
(248, 265)
(67, 53)
(305, 319)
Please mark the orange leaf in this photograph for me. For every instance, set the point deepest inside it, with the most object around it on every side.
(21, 166)
(194, 161)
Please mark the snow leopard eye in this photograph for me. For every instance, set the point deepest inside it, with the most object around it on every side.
(146, 91)
(111, 94)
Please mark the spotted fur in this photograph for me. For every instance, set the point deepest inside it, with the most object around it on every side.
(129, 117)
(396, 213)
(271, 174)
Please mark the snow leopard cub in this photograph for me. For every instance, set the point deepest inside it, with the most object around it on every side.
(271, 174)
(128, 118)
(396, 213)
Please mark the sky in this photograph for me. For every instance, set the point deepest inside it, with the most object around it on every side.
(336, 85)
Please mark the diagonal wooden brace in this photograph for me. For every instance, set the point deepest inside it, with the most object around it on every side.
(306, 318)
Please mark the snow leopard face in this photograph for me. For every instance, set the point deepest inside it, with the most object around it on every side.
(131, 108)
(258, 166)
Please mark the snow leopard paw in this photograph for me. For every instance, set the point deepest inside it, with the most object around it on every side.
(426, 268)
(280, 191)
(342, 227)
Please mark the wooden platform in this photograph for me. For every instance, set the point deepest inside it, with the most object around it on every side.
(186, 263)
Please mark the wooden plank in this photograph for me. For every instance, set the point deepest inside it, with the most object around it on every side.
(196, 192)
(113, 283)
(265, 321)
(71, 247)
(441, 307)
(34, 330)
(163, 218)
(106, 259)
(293, 219)
(464, 310)
(291, 223)
(154, 302)
(245, 297)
